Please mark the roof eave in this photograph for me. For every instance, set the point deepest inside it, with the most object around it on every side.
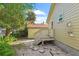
(52, 7)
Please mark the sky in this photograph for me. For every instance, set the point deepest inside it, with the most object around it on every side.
(41, 11)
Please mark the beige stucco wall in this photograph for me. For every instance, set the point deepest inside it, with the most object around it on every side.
(43, 33)
(37, 32)
(32, 31)
(70, 14)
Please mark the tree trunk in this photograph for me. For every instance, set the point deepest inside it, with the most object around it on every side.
(8, 32)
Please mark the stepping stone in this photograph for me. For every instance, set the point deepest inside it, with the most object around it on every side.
(68, 55)
(45, 47)
(31, 47)
(42, 51)
(35, 48)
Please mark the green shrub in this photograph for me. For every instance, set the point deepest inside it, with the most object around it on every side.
(10, 39)
(21, 33)
(6, 50)
(5, 47)
(1, 39)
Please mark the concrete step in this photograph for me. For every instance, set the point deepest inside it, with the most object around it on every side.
(37, 41)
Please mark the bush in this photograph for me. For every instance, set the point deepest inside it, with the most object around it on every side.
(10, 39)
(5, 48)
(7, 39)
(21, 33)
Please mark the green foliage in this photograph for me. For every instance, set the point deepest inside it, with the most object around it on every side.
(10, 39)
(2, 39)
(5, 48)
(21, 33)
(31, 16)
(7, 39)
(12, 16)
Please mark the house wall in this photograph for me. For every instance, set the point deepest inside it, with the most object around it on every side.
(49, 21)
(50, 28)
(66, 31)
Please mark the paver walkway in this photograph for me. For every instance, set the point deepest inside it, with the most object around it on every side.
(26, 48)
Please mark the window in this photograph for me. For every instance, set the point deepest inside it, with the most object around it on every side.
(60, 17)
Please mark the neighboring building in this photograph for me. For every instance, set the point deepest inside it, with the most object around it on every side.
(2, 31)
(65, 18)
(34, 30)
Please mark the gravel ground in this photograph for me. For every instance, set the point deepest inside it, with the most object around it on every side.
(26, 48)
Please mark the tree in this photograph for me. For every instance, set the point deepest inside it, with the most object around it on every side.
(31, 16)
(12, 16)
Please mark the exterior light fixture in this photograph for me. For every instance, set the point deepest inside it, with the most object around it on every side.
(70, 34)
(69, 24)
